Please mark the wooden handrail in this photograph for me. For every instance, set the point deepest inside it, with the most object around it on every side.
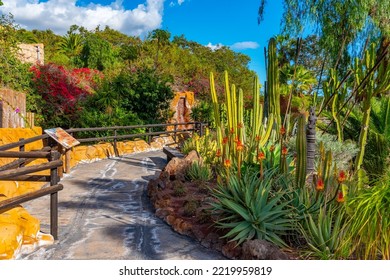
(85, 140)
(125, 127)
(15, 201)
(23, 142)
(16, 154)
(9, 174)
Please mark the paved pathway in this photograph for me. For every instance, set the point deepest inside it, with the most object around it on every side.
(104, 213)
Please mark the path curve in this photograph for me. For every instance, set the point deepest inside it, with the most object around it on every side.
(104, 213)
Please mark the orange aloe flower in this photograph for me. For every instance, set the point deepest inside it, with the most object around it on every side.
(227, 163)
(225, 140)
(257, 138)
(261, 156)
(284, 151)
(320, 185)
(232, 130)
(218, 153)
(272, 148)
(282, 131)
(240, 146)
(340, 197)
(342, 177)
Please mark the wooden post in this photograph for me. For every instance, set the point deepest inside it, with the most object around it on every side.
(149, 136)
(67, 161)
(115, 145)
(22, 149)
(201, 128)
(54, 179)
(61, 150)
(175, 133)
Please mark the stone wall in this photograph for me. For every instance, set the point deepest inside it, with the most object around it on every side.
(12, 108)
(31, 53)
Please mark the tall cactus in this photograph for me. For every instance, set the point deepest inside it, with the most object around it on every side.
(217, 117)
(233, 131)
(373, 87)
(273, 83)
(301, 146)
(311, 142)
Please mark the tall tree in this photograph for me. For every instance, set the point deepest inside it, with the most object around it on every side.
(339, 23)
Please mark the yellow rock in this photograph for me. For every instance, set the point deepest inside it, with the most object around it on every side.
(91, 153)
(141, 145)
(11, 240)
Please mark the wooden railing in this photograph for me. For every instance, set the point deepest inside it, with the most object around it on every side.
(18, 171)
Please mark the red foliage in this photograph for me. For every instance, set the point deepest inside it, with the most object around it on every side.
(63, 88)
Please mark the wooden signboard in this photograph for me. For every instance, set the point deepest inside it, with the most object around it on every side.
(62, 137)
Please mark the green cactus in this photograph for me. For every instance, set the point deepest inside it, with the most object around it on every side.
(217, 117)
(273, 83)
(374, 86)
(301, 147)
(331, 87)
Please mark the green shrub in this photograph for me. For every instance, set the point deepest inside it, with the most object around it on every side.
(199, 172)
(369, 224)
(179, 189)
(189, 207)
(206, 146)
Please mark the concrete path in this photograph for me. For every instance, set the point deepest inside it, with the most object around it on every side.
(104, 213)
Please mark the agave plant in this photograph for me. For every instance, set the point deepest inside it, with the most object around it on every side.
(248, 208)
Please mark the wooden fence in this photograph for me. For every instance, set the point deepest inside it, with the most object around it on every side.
(18, 171)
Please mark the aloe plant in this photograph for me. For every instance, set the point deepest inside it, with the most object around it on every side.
(324, 234)
(248, 208)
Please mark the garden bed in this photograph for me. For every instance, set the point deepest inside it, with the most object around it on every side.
(185, 206)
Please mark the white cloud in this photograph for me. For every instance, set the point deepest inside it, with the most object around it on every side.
(214, 47)
(59, 15)
(179, 2)
(245, 45)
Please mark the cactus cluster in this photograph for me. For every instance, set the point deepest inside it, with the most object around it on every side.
(238, 138)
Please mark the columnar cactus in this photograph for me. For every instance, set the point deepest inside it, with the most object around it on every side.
(301, 148)
(311, 142)
(273, 83)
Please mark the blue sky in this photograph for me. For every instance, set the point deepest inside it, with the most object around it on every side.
(209, 22)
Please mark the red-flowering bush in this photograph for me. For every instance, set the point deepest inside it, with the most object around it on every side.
(62, 90)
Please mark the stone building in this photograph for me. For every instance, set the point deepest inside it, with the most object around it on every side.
(31, 53)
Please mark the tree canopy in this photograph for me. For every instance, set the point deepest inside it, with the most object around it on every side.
(340, 24)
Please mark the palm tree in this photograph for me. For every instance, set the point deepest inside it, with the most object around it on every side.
(71, 45)
(162, 39)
